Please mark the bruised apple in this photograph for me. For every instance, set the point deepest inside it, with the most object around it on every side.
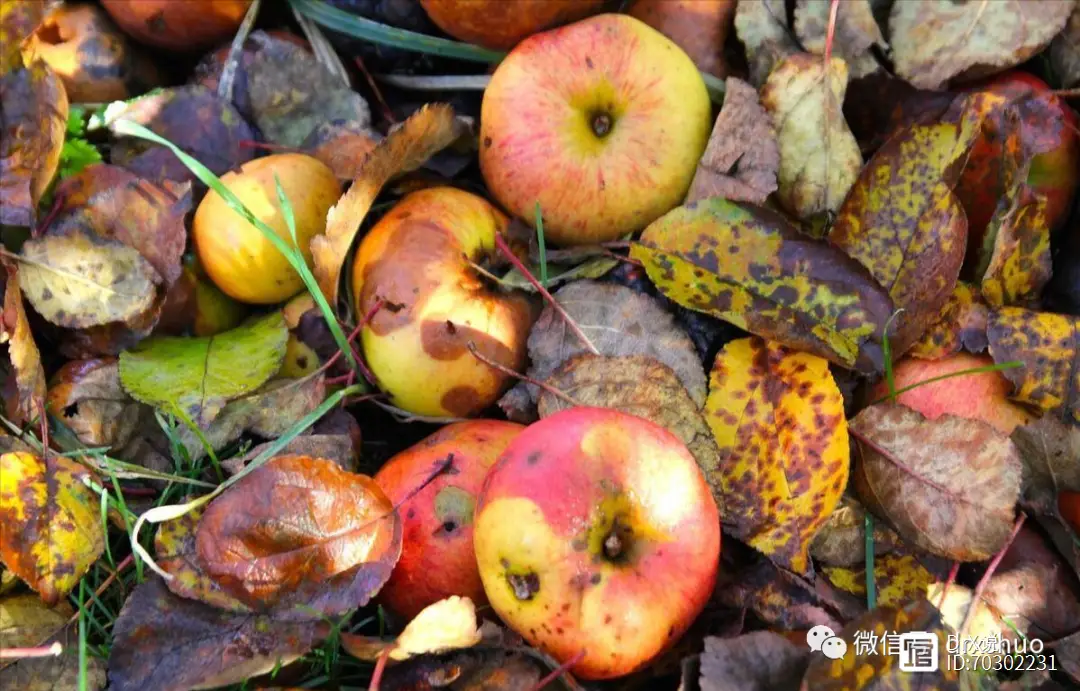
(415, 275)
(596, 535)
(500, 24)
(601, 122)
(437, 558)
(185, 25)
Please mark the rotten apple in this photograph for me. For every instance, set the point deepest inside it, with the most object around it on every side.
(500, 24)
(601, 122)
(416, 278)
(437, 558)
(186, 25)
(597, 539)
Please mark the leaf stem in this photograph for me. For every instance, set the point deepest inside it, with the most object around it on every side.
(980, 588)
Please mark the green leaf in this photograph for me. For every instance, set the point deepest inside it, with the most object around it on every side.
(198, 376)
(76, 155)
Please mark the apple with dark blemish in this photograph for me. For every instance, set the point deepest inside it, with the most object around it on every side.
(437, 558)
(416, 274)
(597, 539)
(601, 122)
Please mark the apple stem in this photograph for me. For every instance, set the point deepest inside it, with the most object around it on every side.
(520, 266)
(985, 580)
(523, 377)
(559, 671)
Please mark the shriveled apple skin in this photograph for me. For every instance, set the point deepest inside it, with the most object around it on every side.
(437, 558)
(427, 304)
(500, 24)
(545, 512)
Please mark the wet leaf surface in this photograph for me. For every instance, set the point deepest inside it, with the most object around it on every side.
(961, 325)
(1048, 345)
(748, 266)
(22, 349)
(857, 34)
(758, 661)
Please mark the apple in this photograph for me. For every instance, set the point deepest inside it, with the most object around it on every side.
(415, 274)
(983, 396)
(1054, 173)
(186, 25)
(437, 558)
(596, 536)
(700, 27)
(234, 253)
(499, 24)
(601, 122)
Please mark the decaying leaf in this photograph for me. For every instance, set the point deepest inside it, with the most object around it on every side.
(935, 41)
(778, 419)
(26, 621)
(559, 274)
(175, 553)
(741, 160)
(339, 525)
(819, 157)
(948, 485)
(50, 522)
(642, 386)
(1050, 451)
(841, 541)
(198, 376)
(762, 27)
(747, 265)
(343, 147)
(87, 397)
(55, 674)
(857, 33)
(426, 132)
(22, 350)
(880, 669)
(483, 668)
(339, 448)
(1065, 52)
(903, 222)
(1048, 345)
(899, 578)
(961, 325)
(758, 661)
(34, 121)
(17, 21)
(169, 643)
(448, 624)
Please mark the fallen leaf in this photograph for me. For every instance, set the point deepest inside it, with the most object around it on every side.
(741, 160)
(1064, 52)
(168, 643)
(478, 669)
(778, 419)
(758, 661)
(429, 130)
(293, 524)
(34, 121)
(22, 350)
(642, 386)
(87, 397)
(448, 624)
(1067, 650)
(339, 448)
(761, 26)
(51, 522)
(198, 376)
(819, 157)
(961, 325)
(55, 674)
(343, 147)
(747, 265)
(17, 21)
(1048, 345)
(175, 553)
(948, 485)
(841, 541)
(292, 93)
(1050, 451)
(26, 621)
(899, 578)
(559, 274)
(860, 669)
(903, 222)
(935, 41)
(857, 34)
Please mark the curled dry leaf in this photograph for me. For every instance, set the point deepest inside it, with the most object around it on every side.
(857, 34)
(169, 643)
(758, 661)
(841, 541)
(778, 419)
(741, 160)
(175, 553)
(749, 266)
(1050, 451)
(961, 325)
(819, 157)
(1065, 52)
(448, 624)
(22, 350)
(1048, 345)
(34, 121)
(429, 130)
(903, 222)
(294, 524)
(935, 41)
(50, 522)
(899, 579)
(198, 376)
(762, 27)
(87, 397)
(948, 485)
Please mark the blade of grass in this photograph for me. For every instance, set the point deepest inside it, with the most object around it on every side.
(871, 582)
(960, 373)
(886, 347)
(543, 246)
(82, 637)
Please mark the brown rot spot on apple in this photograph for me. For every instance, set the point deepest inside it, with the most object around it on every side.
(462, 401)
(588, 62)
(487, 142)
(525, 586)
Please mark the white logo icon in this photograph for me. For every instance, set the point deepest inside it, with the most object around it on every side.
(918, 652)
(823, 638)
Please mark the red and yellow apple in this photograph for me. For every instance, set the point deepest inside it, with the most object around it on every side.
(186, 25)
(601, 122)
(415, 275)
(597, 539)
(982, 396)
(437, 558)
(499, 24)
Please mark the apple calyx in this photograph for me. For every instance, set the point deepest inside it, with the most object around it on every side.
(617, 543)
(601, 124)
(525, 586)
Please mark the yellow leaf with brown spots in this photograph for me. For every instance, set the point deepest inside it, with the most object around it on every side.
(22, 350)
(50, 522)
(1048, 345)
(960, 326)
(749, 266)
(778, 418)
(900, 578)
(174, 550)
(903, 222)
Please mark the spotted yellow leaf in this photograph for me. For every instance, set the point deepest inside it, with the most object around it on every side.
(899, 578)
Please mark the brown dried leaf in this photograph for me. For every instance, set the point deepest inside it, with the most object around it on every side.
(856, 36)
(33, 118)
(741, 160)
(1048, 345)
(961, 325)
(762, 27)
(1064, 52)
(948, 485)
(758, 661)
(55, 674)
(1050, 451)
(935, 41)
(429, 130)
(87, 397)
(22, 350)
(842, 538)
